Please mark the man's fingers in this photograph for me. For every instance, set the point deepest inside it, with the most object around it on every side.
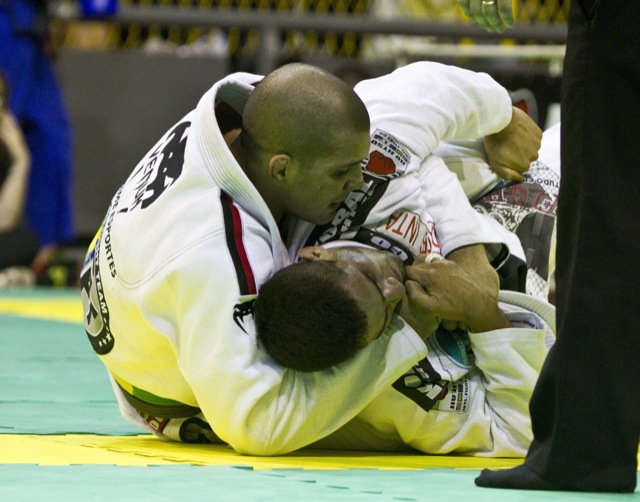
(449, 325)
(490, 11)
(477, 14)
(508, 174)
(464, 4)
(505, 8)
(499, 14)
(413, 288)
(492, 15)
(418, 295)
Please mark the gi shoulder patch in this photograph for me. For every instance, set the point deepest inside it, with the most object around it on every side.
(422, 384)
(387, 157)
(94, 303)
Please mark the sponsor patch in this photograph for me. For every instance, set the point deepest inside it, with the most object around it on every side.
(156, 423)
(422, 384)
(387, 157)
(457, 399)
(94, 303)
(409, 227)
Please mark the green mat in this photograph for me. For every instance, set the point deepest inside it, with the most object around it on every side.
(222, 484)
(52, 383)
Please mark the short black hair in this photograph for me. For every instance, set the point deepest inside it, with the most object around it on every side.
(306, 319)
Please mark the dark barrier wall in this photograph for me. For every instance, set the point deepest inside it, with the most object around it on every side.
(120, 104)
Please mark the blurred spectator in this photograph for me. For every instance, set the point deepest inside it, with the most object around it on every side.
(36, 102)
(18, 245)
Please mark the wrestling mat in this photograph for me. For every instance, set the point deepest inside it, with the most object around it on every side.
(62, 437)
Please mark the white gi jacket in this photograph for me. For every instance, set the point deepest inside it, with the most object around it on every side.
(168, 282)
(407, 188)
(526, 209)
(485, 408)
(166, 291)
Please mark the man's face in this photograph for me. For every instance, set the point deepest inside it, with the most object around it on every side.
(375, 278)
(319, 189)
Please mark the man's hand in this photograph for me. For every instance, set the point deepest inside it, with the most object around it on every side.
(423, 321)
(511, 151)
(492, 15)
(444, 289)
(473, 260)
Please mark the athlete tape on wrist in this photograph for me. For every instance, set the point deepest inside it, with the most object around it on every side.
(433, 256)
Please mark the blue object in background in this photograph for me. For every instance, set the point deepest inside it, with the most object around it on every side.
(37, 103)
(98, 8)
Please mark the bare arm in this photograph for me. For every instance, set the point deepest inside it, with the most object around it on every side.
(473, 260)
(13, 190)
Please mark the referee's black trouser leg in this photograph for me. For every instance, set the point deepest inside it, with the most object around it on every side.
(586, 407)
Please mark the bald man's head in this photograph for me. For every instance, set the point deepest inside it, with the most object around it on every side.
(302, 110)
(305, 133)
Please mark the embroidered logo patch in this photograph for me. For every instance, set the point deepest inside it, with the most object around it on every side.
(457, 399)
(94, 304)
(161, 168)
(422, 384)
(387, 157)
(241, 310)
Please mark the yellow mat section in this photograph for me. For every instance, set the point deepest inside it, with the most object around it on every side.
(56, 309)
(146, 450)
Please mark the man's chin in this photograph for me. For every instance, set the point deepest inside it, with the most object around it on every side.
(330, 214)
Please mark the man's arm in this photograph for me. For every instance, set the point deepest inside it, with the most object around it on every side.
(510, 361)
(461, 236)
(13, 190)
(514, 146)
(425, 103)
(473, 260)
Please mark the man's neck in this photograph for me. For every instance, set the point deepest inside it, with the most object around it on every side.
(256, 173)
(231, 136)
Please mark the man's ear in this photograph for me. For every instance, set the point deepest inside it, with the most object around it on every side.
(280, 167)
(316, 253)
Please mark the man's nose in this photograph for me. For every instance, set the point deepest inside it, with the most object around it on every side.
(355, 179)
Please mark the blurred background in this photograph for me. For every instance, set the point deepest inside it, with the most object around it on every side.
(128, 69)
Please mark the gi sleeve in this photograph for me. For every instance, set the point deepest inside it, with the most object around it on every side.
(425, 103)
(252, 403)
(510, 360)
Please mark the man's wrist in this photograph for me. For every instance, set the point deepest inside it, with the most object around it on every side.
(488, 317)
